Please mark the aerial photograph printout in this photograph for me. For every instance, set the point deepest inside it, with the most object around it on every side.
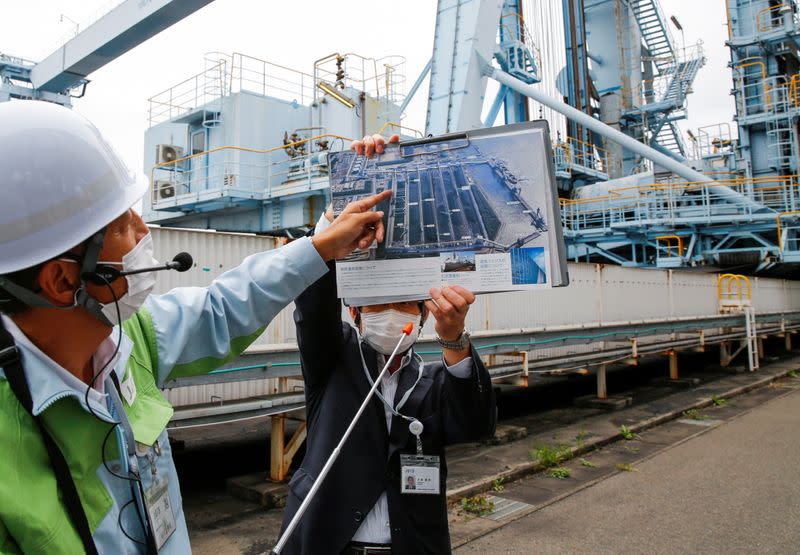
(475, 209)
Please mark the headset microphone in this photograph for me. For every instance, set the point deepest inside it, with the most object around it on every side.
(105, 273)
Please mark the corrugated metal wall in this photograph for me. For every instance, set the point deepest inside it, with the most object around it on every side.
(596, 294)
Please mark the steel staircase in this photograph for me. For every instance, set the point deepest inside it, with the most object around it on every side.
(655, 33)
(670, 138)
(683, 76)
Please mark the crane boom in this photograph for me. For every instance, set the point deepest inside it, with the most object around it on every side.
(123, 28)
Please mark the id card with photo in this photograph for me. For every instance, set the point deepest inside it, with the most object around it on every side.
(159, 511)
(419, 474)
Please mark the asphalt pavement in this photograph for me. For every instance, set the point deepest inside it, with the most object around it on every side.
(734, 488)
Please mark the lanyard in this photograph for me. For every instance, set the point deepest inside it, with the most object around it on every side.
(394, 410)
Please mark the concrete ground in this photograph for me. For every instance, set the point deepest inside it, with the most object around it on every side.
(664, 414)
(731, 488)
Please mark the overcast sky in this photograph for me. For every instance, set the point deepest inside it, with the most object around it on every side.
(295, 34)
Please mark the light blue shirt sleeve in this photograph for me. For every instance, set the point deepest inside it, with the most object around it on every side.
(461, 369)
(197, 329)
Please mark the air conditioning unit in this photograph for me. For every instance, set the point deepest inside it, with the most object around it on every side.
(168, 153)
(162, 189)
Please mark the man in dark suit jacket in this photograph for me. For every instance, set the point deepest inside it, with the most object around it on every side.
(367, 503)
(361, 498)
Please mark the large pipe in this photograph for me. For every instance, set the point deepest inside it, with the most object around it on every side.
(612, 134)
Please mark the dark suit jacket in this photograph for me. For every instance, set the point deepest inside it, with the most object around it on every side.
(451, 409)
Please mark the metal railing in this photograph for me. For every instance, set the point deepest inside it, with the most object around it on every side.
(382, 78)
(776, 17)
(524, 57)
(669, 241)
(679, 203)
(753, 93)
(733, 290)
(791, 242)
(227, 74)
(676, 81)
(575, 154)
(243, 172)
(712, 140)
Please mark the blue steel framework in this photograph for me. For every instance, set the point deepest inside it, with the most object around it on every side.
(662, 225)
(673, 224)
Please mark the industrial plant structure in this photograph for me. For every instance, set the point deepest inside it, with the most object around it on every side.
(243, 147)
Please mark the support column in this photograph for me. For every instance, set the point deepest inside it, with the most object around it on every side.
(787, 341)
(724, 354)
(673, 365)
(276, 448)
(760, 347)
(277, 439)
(602, 391)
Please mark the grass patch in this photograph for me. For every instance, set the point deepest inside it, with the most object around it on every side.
(631, 448)
(549, 456)
(587, 463)
(718, 401)
(580, 439)
(792, 374)
(561, 472)
(477, 505)
(497, 485)
(625, 467)
(627, 433)
(695, 414)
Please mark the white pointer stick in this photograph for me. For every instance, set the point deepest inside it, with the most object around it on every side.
(332, 459)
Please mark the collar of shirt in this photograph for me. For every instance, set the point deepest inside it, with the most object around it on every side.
(50, 382)
(403, 362)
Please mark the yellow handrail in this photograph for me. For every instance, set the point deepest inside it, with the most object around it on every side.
(730, 279)
(253, 150)
(783, 182)
(793, 88)
(399, 126)
(778, 225)
(243, 149)
(764, 84)
(762, 28)
(668, 240)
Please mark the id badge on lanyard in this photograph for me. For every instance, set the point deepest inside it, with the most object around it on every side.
(159, 511)
(419, 473)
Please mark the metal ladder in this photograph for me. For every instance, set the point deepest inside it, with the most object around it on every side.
(752, 338)
(780, 142)
(655, 33)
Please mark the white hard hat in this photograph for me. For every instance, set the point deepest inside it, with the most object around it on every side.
(60, 181)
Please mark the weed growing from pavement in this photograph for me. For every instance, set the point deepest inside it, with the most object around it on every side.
(562, 473)
(631, 448)
(625, 467)
(587, 463)
(718, 401)
(548, 456)
(477, 505)
(497, 485)
(695, 414)
(627, 433)
(793, 374)
(580, 439)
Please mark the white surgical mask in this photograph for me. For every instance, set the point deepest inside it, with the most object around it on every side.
(139, 285)
(382, 330)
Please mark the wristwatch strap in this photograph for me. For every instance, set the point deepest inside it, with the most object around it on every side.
(457, 345)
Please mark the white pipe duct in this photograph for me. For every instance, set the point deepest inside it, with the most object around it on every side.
(618, 137)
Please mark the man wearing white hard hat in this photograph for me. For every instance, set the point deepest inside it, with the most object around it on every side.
(86, 463)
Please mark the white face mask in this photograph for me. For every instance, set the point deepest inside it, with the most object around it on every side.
(139, 285)
(382, 330)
